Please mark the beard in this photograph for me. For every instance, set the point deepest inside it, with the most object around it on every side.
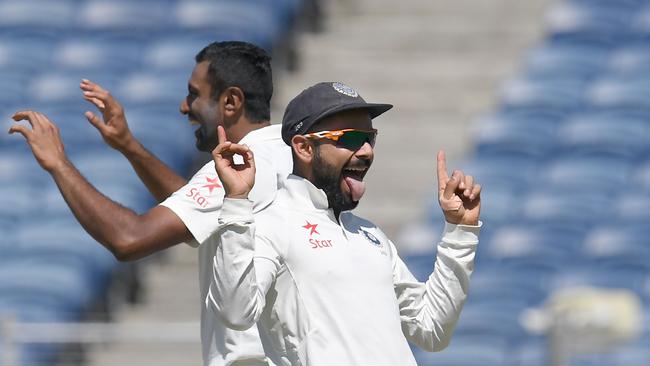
(328, 178)
(206, 137)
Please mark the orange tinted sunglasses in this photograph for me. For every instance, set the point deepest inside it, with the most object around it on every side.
(348, 138)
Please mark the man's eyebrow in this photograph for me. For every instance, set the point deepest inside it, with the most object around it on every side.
(191, 87)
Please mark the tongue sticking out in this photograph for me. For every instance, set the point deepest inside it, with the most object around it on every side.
(357, 188)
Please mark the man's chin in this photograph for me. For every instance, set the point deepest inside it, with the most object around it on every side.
(205, 146)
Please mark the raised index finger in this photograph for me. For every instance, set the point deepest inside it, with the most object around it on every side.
(221, 135)
(443, 178)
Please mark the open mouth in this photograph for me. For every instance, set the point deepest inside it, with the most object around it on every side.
(353, 178)
(356, 173)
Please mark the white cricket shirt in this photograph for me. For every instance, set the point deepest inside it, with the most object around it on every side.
(198, 205)
(333, 292)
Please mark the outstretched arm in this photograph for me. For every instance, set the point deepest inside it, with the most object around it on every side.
(126, 234)
(159, 179)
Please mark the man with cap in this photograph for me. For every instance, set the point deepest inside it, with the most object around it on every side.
(325, 286)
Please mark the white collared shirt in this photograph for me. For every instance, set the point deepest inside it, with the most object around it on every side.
(333, 292)
(198, 205)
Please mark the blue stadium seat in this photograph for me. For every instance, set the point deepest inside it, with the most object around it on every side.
(602, 174)
(563, 95)
(609, 21)
(158, 87)
(566, 209)
(36, 13)
(466, 351)
(553, 59)
(175, 54)
(59, 283)
(104, 56)
(633, 59)
(125, 16)
(632, 208)
(63, 87)
(19, 168)
(226, 17)
(641, 176)
(61, 238)
(13, 89)
(602, 134)
(622, 91)
(500, 135)
(23, 55)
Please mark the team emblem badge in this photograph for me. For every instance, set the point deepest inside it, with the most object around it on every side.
(371, 238)
(344, 89)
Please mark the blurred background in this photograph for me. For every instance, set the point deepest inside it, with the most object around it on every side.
(545, 102)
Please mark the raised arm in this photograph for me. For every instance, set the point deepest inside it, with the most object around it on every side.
(240, 278)
(429, 311)
(126, 234)
(159, 179)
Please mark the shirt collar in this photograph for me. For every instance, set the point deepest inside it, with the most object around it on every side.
(301, 189)
(262, 134)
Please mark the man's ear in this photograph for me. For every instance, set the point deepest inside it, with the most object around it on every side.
(303, 149)
(233, 101)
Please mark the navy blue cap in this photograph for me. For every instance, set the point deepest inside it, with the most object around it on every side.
(320, 101)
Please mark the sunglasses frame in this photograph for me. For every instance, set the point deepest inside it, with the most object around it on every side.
(335, 135)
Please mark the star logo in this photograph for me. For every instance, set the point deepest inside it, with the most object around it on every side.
(311, 227)
(212, 184)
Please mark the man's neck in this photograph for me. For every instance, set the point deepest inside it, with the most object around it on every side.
(243, 128)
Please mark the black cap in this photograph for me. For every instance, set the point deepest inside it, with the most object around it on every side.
(320, 101)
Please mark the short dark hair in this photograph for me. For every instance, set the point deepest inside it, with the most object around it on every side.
(246, 66)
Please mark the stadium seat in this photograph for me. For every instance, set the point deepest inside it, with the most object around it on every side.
(566, 210)
(607, 20)
(563, 95)
(553, 60)
(124, 16)
(600, 134)
(619, 91)
(633, 59)
(175, 54)
(227, 16)
(56, 282)
(97, 54)
(36, 13)
(591, 173)
(466, 351)
(499, 135)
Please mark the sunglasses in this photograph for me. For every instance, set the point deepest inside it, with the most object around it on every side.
(348, 138)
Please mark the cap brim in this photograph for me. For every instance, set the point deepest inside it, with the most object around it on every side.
(374, 110)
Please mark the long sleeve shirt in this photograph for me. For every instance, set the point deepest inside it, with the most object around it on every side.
(332, 291)
(198, 205)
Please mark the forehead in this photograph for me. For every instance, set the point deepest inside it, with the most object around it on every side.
(355, 118)
(199, 75)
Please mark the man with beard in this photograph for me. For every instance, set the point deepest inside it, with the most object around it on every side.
(230, 86)
(327, 287)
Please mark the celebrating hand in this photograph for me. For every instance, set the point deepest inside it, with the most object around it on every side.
(237, 180)
(459, 196)
(114, 129)
(43, 138)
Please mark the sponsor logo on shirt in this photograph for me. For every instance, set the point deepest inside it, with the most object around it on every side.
(312, 228)
(317, 243)
(212, 183)
(200, 199)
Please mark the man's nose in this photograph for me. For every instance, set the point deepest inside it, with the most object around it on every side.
(365, 151)
(184, 107)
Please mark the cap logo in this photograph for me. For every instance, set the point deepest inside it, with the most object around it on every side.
(298, 126)
(345, 90)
